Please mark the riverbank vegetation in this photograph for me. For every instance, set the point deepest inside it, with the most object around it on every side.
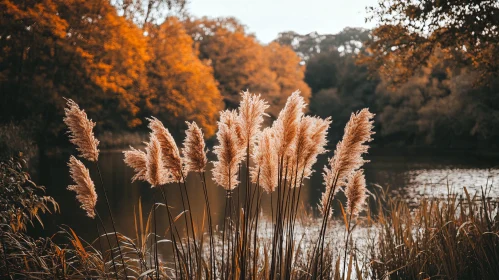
(449, 237)
(151, 75)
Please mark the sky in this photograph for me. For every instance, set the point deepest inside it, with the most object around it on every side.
(266, 18)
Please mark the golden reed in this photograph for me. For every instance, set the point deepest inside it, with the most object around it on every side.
(169, 150)
(251, 112)
(282, 156)
(81, 131)
(348, 154)
(137, 160)
(84, 188)
(229, 151)
(355, 192)
(194, 150)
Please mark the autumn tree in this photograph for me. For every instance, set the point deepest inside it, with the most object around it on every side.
(76, 49)
(288, 75)
(240, 62)
(181, 86)
(411, 31)
(439, 106)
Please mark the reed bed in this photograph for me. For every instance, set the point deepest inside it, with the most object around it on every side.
(444, 239)
(455, 237)
(250, 161)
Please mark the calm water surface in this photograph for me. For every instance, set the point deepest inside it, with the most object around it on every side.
(410, 175)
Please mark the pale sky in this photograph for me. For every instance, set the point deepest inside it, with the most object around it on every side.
(266, 18)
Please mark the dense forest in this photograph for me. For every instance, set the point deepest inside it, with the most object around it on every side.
(124, 61)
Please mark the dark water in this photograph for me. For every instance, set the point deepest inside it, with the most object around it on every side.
(409, 174)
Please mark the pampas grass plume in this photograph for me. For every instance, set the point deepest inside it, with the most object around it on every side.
(348, 154)
(251, 113)
(137, 160)
(311, 140)
(355, 192)
(317, 141)
(169, 150)
(194, 151)
(233, 121)
(81, 131)
(156, 174)
(265, 157)
(229, 151)
(84, 188)
(286, 125)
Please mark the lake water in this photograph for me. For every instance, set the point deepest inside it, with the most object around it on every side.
(408, 174)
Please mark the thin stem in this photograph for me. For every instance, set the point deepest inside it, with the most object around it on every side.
(187, 229)
(190, 214)
(346, 243)
(210, 225)
(112, 219)
(156, 263)
(223, 234)
(100, 245)
(174, 230)
(109, 243)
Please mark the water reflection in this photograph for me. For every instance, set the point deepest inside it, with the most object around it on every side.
(409, 176)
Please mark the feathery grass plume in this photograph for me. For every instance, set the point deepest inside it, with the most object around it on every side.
(251, 113)
(81, 131)
(169, 150)
(355, 192)
(348, 154)
(137, 160)
(265, 157)
(84, 188)
(317, 140)
(297, 150)
(229, 151)
(156, 174)
(233, 121)
(194, 151)
(310, 142)
(286, 125)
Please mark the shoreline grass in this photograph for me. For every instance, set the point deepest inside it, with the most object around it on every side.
(445, 238)
(441, 237)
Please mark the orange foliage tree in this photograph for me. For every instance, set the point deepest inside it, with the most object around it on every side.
(122, 71)
(289, 74)
(181, 86)
(240, 62)
(84, 50)
(78, 49)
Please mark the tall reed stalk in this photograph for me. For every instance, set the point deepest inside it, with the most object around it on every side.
(251, 162)
(82, 136)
